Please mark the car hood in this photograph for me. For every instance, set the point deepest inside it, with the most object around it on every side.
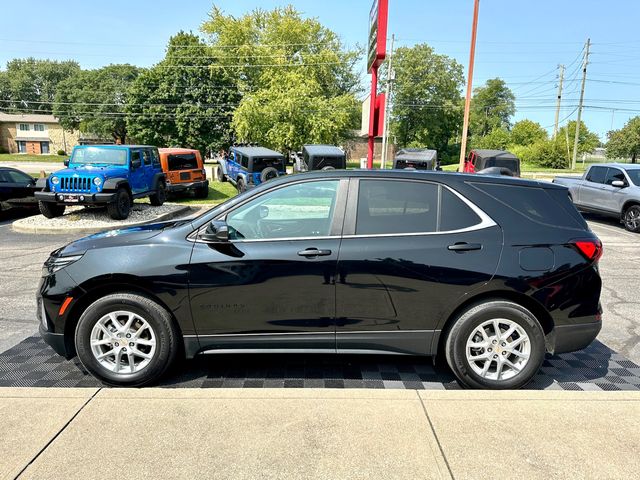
(114, 238)
(103, 171)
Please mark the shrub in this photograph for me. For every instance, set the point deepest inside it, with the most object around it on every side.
(544, 153)
(61, 152)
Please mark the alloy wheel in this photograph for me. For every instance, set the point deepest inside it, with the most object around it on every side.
(498, 349)
(123, 342)
(632, 218)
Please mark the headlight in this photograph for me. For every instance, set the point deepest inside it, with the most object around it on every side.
(55, 180)
(53, 264)
(97, 181)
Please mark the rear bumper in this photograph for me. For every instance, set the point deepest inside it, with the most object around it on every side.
(89, 198)
(570, 338)
(183, 187)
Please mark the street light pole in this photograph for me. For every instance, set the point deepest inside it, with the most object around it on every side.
(467, 100)
(385, 128)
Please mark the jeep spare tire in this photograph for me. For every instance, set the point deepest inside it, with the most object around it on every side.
(268, 174)
(328, 167)
(121, 206)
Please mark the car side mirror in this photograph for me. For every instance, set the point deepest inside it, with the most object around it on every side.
(216, 232)
(264, 211)
(136, 163)
(618, 183)
(66, 162)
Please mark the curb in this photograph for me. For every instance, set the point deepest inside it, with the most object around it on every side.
(60, 230)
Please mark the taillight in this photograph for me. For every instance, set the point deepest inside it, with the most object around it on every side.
(590, 248)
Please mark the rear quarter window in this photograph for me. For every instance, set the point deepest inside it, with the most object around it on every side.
(541, 205)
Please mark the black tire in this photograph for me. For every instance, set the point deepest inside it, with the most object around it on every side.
(328, 167)
(202, 192)
(160, 321)
(120, 208)
(51, 209)
(469, 320)
(631, 218)
(241, 186)
(268, 173)
(160, 196)
(220, 175)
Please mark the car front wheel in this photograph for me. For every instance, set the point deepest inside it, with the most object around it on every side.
(495, 345)
(51, 209)
(119, 209)
(126, 339)
(632, 218)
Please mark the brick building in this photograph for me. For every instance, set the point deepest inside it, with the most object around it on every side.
(35, 134)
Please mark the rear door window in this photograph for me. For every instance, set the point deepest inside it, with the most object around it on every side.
(597, 174)
(397, 207)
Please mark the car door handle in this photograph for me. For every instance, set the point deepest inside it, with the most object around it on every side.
(314, 252)
(464, 247)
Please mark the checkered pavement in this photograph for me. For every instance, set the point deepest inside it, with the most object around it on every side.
(32, 363)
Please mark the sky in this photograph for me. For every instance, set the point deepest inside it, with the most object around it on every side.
(520, 41)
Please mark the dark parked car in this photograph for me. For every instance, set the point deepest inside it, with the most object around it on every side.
(490, 272)
(492, 162)
(16, 189)
(320, 157)
(416, 159)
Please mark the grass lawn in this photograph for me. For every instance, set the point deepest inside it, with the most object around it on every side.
(23, 157)
(218, 193)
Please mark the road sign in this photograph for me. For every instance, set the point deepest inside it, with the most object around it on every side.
(377, 33)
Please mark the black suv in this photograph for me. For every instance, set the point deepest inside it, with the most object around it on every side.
(489, 272)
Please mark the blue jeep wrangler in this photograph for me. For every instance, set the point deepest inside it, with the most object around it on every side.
(111, 175)
(247, 167)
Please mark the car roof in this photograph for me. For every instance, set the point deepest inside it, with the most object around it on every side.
(416, 154)
(432, 175)
(12, 169)
(177, 150)
(486, 153)
(626, 166)
(111, 145)
(257, 152)
(325, 150)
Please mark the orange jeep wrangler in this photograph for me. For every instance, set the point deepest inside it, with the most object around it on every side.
(184, 171)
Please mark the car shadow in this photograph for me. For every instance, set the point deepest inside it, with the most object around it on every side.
(33, 363)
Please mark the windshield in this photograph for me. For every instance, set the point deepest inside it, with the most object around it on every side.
(99, 156)
(634, 175)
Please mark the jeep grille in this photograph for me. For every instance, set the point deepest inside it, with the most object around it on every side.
(75, 184)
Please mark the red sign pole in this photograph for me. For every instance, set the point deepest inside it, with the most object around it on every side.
(377, 51)
(372, 116)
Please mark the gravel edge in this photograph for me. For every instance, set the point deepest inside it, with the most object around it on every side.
(54, 230)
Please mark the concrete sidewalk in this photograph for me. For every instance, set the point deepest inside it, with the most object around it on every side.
(296, 433)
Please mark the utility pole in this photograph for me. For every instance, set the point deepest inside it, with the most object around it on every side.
(584, 79)
(555, 125)
(467, 100)
(385, 128)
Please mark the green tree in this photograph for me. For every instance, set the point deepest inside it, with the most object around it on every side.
(426, 97)
(587, 140)
(526, 132)
(93, 101)
(496, 139)
(296, 79)
(626, 141)
(183, 100)
(30, 85)
(492, 106)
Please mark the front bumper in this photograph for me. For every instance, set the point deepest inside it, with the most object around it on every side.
(55, 341)
(186, 186)
(89, 198)
(570, 338)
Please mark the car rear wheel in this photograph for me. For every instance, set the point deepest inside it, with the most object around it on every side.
(631, 218)
(495, 345)
(51, 209)
(160, 196)
(220, 174)
(202, 192)
(241, 186)
(119, 209)
(126, 339)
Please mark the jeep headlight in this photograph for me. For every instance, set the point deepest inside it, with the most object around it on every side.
(55, 180)
(97, 181)
(53, 264)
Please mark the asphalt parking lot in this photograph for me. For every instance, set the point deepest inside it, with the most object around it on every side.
(604, 366)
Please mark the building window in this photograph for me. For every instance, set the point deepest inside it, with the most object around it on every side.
(44, 148)
(39, 127)
(24, 127)
(22, 147)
